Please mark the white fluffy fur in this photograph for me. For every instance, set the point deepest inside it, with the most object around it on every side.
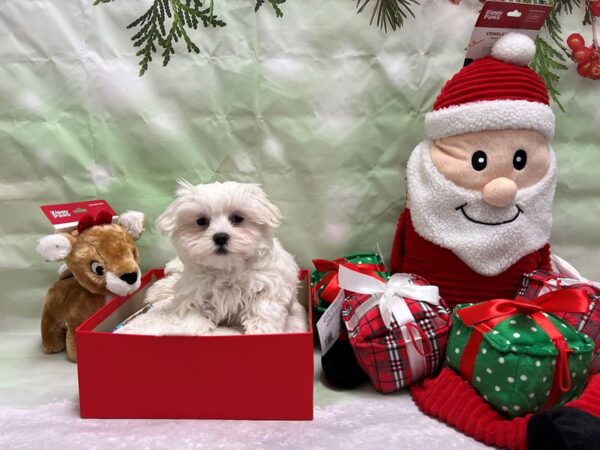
(54, 247)
(133, 222)
(487, 249)
(490, 115)
(252, 288)
(514, 48)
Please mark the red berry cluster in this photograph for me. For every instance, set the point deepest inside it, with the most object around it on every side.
(587, 57)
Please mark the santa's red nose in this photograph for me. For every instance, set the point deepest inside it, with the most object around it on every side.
(500, 192)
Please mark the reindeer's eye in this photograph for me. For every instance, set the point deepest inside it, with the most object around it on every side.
(236, 219)
(203, 221)
(97, 268)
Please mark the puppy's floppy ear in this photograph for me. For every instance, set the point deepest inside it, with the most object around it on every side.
(56, 247)
(133, 222)
(269, 214)
(166, 222)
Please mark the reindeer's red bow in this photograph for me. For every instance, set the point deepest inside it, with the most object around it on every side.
(88, 221)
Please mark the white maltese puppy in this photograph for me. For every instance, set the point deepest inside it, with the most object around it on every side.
(230, 271)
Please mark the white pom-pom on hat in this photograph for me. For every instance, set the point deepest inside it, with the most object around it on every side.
(514, 48)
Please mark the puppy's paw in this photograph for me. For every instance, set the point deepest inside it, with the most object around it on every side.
(227, 331)
(173, 266)
(163, 289)
(297, 321)
(260, 326)
(266, 316)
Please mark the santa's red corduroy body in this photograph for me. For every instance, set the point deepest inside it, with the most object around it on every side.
(459, 283)
(479, 211)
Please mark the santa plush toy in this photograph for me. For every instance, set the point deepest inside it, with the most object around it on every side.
(478, 216)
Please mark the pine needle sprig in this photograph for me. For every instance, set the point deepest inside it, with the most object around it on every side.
(390, 13)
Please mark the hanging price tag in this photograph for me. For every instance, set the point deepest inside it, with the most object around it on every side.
(498, 18)
(330, 323)
(65, 216)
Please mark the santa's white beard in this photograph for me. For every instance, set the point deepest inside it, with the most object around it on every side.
(488, 239)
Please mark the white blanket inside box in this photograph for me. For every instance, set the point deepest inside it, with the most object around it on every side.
(263, 377)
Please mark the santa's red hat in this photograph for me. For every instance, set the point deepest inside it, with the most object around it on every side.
(498, 92)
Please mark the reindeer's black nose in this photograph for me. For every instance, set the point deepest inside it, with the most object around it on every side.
(129, 278)
(220, 239)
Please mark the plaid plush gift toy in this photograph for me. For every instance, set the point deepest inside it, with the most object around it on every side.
(519, 357)
(398, 330)
(539, 282)
(324, 279)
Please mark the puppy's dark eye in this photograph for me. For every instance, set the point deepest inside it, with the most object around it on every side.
(97, 268)
(236, 219)
(479, 160)
(520, 159)
(203, 221)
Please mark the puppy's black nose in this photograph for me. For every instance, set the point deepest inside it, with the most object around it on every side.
(129, 278)
(220, 239)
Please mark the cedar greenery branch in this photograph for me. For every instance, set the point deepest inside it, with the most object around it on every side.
(179, 16)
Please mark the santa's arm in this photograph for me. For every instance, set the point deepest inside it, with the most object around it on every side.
(546, 260)
(448, 398)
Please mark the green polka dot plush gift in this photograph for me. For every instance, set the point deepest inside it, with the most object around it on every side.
(324, 278)
(518, 355)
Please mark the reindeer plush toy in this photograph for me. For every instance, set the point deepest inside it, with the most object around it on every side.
(101, 260)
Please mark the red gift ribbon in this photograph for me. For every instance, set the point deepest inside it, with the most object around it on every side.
(485, 316)
(331, 282)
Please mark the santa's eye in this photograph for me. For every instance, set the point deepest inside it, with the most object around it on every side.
(520, 159)
(97, 268)
(479, 160)
(203, 221)
(236, 219)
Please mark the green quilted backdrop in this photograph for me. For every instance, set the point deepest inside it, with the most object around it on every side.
(318, 106)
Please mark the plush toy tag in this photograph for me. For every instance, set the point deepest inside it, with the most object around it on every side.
(64, 217)
(330, 323)
(498, 18)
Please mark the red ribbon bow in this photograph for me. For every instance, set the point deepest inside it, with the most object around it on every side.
(88, 221)
(494, 311)
(486, 315)
(331, 282)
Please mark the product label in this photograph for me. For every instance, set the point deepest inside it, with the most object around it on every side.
(330, 323)
(498, 18)
(64, 217)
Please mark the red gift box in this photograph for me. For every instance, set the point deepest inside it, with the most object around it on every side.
(398, 330)
(540, 282)
(267, 376)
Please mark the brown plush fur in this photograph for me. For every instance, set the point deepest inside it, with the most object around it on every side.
(79, 291)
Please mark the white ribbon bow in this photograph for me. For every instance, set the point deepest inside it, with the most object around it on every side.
(571, 274)
(390, 296)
